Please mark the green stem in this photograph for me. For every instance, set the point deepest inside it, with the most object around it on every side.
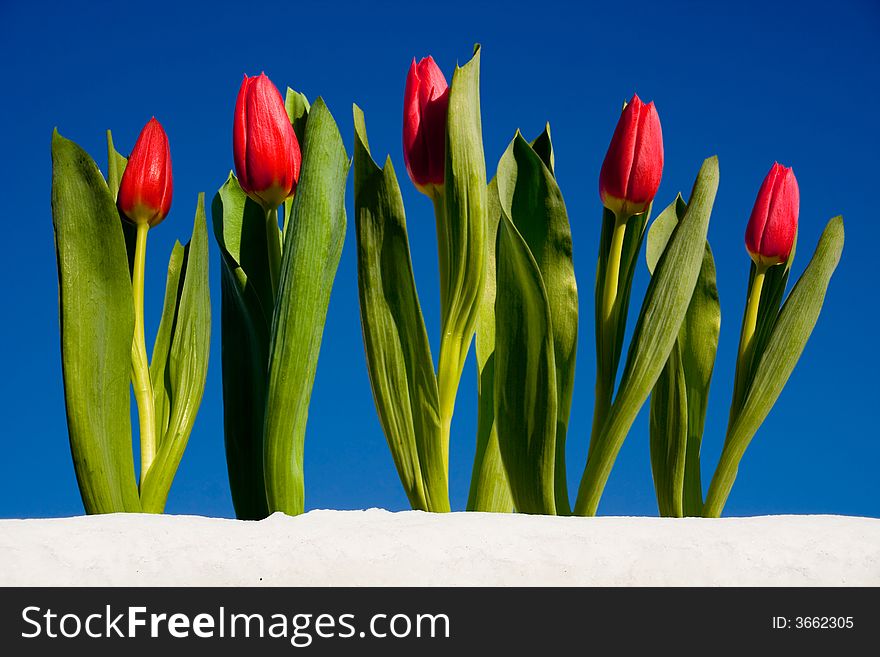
(612, 275)
(273, 243)
(140, 365)
(610, 313)
(747, 339)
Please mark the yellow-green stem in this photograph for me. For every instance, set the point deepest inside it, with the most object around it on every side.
(610, 312)
(612, 276)
(273, 243)
(140, 365)
(751, 319)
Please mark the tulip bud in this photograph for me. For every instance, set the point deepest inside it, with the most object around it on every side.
(633, 165)
(146, 185)
(773, 225)
(265, 149)
(425, 104)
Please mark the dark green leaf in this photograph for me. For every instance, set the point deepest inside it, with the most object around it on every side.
(246, 312)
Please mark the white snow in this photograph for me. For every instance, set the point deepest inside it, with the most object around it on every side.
(376, 547)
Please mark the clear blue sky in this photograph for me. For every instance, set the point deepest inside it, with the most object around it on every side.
(752, 82)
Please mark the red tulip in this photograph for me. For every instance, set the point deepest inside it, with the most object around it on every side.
(425, 104)
(265, 149)
(633, 165)
(146, 185)
(773, 225)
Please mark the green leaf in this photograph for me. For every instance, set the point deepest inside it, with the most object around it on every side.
(489, 489)
(668, 435)
(525, 374)
(181, 374)
(543, 146)
(297, 106)
(246, 314)
(162, 344)
(694, 357)
(395, 340)
(663, 311)
(116, 164)
(461, 230)
(97, 325)
(531, 198)
(312, 247)
(784, 347)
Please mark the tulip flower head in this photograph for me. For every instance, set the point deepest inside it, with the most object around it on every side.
(633, 165)
(425, 105)
(265, 149)
(146, 186)
(772, 226)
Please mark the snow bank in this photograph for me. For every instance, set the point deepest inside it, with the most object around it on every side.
(376, 547)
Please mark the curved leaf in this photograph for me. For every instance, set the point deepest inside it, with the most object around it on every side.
(525, 375)
(395, 340)
(312, 247)
(97, 324)
(182, 373)
(531, 198)
(489, 489)
(784, 347)
(461, 210)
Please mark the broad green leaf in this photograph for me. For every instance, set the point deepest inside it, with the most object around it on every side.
(297, 106)
(246, 315)
(395, 339)
(489, 490)
(786, 343)
(461, 209)
(694, 355)
(311, 251)
(525, 374)
(116, 164)
(97, 325)
(660, 320)
(531, 198)
(182, 373)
